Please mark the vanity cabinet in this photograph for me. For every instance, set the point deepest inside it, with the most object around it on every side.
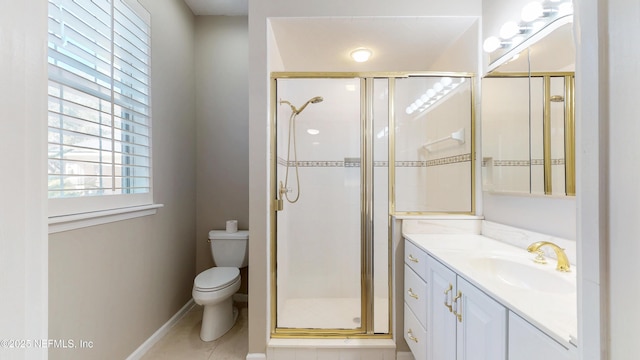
(451, 313)
(446, 317)
(526, 342)
(462, 321)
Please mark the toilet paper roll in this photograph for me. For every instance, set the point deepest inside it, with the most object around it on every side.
(232, 226)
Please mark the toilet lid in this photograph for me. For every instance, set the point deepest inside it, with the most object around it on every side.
(216, 278)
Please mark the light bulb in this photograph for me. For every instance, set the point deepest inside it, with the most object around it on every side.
(430, 93)
(509, 30)
(424, 98)
(438, 87)
(532, 11)
(419, 102)
(408, 110)
(446, 81)
(491, 44)
(565, 9)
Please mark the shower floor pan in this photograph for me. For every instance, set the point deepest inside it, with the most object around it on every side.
(330, 313)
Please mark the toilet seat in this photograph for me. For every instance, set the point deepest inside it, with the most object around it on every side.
(216, 278)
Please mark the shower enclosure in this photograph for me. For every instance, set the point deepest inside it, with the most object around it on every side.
(332, 190)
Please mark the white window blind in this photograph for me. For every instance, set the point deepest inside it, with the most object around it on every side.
(99, 105)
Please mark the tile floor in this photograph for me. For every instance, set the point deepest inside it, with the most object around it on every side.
(183, 340)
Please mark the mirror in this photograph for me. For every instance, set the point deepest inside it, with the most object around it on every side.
(528, 137)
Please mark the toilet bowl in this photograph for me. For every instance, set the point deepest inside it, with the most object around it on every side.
(214, 287)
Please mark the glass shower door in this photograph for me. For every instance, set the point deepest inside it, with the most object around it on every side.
(318, 246)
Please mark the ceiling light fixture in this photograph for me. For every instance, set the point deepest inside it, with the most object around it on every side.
(361, 54)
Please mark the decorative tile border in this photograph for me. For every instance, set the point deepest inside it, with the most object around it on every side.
(527, 163)
(450, 160)
(355, 162)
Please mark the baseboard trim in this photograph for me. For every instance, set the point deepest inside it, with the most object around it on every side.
(256, 356)
(162, 331)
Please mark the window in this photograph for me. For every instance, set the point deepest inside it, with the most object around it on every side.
(99, 106)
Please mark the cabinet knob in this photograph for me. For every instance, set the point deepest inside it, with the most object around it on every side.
(412, 258)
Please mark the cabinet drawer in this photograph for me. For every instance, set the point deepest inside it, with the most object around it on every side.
(415, 335)
(416, 259)
(415, 295)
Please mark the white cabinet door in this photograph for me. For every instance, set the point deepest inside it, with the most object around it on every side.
(482, 325)
(441, 324)
(526, 342)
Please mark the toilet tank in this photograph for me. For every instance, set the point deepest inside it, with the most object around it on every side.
(230, 249)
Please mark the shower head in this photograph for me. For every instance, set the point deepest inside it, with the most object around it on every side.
(313, 100)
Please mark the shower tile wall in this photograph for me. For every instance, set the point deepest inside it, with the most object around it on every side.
(438, 179)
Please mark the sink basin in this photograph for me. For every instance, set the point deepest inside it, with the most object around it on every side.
(525, 276)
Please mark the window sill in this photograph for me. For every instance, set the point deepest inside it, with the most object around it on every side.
(77, 221)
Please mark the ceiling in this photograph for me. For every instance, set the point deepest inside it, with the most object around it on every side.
(324, 43)
(398, 43)
(219, 7)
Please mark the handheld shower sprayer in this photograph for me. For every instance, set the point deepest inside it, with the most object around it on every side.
(313, 100)
(284, 189)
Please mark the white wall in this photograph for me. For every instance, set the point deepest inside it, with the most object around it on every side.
(23, 232)
(624, 200)
(116, 284)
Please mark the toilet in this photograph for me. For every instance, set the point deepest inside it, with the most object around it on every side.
(214, 288)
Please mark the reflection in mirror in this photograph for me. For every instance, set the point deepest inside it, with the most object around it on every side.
(528, 120)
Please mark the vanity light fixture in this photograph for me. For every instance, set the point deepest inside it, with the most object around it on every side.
(535, 15)
(509, 30)
(565, 9)
(492, 43)
(361, 54)
(532, 11)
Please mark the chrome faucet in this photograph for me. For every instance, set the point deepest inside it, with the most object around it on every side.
(563, 261)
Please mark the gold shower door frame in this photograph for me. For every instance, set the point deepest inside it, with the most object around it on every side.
(366, 84)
